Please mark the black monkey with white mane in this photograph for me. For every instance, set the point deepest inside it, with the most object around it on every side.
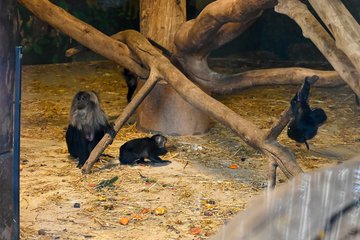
(87, 125)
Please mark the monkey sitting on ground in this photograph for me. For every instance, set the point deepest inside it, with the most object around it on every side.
(306, 121)
(87, 125)
(136, 150)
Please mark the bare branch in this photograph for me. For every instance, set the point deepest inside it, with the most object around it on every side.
(85, 34)
(198, 33)
(342, 26)
(313, 30)
(218, 23)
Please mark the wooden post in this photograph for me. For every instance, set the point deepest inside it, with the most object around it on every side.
(8, 227)
(164, 110)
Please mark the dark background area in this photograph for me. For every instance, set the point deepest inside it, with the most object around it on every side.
(273, 37)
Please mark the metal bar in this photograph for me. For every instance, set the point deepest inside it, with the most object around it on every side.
(16, 163)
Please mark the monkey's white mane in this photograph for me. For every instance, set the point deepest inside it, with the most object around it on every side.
(88, 119)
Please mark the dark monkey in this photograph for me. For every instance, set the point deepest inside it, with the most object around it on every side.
(131, 82)
(137, 150)
(131, 78)
(306, 121)
(87, 125)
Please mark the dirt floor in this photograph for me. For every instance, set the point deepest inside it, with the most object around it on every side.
(187, 199)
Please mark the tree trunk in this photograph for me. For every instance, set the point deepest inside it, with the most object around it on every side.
(164, 110)
(8, 227)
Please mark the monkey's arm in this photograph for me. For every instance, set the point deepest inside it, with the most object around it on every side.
(157, 159)
(71, 139)
(84, 149)
(110, 129)
(304, 91)
(160, 151)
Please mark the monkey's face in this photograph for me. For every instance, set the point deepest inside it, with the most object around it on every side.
(85, 100)
(160, 140)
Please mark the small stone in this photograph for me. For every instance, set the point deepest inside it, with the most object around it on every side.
(208, 213)
(42, 232)
(77, 205)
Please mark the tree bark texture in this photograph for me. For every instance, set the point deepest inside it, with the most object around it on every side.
(164, 110)
(8, 29)
(342, 26)
(85, 34)
(220, 22)
(313, 30)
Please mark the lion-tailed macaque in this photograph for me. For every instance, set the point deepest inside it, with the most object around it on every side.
(87, 125)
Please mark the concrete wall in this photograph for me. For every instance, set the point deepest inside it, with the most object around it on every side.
(7, 69)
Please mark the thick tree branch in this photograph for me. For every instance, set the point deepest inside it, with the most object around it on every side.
(342, 26)
(198, 33)
(313, 30)
(225, 84)
(218, 23)
(85, 34)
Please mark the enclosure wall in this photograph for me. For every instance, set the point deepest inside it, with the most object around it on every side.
(7, 76)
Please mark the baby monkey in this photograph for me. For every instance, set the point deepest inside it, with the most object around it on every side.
(306, 121)
(136, 150)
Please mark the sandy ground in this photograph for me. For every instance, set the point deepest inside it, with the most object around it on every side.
(187, 199)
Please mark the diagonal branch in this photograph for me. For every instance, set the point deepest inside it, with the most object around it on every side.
(85, 34)
(313, 30)
(121, 120)
(342, 26)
